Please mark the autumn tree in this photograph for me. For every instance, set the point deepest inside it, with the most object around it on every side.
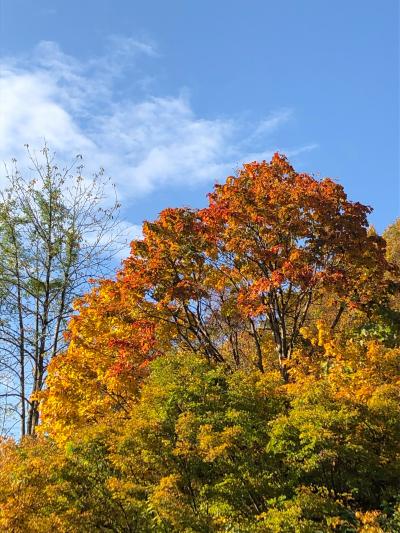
(55, 232)
(97, 378)
(392, 238)
(252, 263)
(235, 282)
(383, 323)
(226, 379)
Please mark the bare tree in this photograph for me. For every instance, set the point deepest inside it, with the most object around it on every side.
(57, 230)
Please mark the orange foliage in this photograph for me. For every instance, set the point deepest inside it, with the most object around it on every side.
(105, 361)
(221, 281)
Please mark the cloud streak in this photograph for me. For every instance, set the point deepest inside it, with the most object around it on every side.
(144, 142)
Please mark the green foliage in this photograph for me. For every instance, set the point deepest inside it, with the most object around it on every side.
(339, 445)
(209, 449)
(385, 327)
(202, 433)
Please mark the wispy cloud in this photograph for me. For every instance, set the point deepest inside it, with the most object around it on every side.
(272, 122)
(143, 142)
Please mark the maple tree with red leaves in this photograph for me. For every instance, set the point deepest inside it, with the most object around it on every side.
(267, 247)
(234, 282)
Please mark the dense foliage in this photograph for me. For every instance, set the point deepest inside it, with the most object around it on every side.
(241, 374)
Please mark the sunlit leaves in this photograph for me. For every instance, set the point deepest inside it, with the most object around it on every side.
(235, 376)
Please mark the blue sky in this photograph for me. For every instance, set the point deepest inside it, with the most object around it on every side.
(171, 96)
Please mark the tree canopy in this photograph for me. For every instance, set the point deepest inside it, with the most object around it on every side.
(240, 374)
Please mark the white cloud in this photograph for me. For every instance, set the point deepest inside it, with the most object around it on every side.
(126, 46)
(30, 110)
(119, 240)
(142, 141)
(272, 122)
(130, 232)
(289, 152)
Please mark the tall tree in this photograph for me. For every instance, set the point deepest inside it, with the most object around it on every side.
(56, 231)
(235, 282)
(270, 244)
